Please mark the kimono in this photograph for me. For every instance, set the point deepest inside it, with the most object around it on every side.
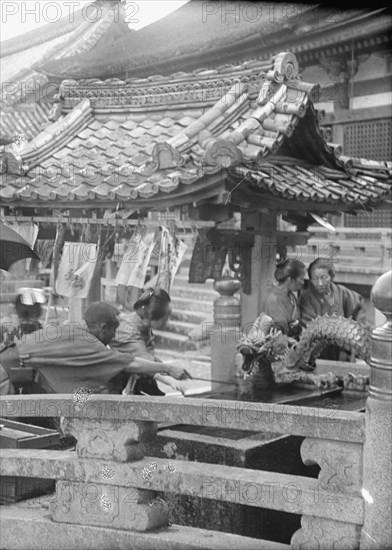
(282, 307)
(67, 358)
(133, 336)
(341, 301)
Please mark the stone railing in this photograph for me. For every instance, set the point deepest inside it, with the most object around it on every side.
(107, 489)
(106, 482)
(359, 254)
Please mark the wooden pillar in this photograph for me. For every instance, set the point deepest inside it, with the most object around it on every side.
(377, 460)
(263, 263)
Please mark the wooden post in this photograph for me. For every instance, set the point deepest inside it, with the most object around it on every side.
(263, 263)
(377, 465)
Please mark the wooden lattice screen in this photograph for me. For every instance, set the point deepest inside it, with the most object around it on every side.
(372, 140)
(369, 139)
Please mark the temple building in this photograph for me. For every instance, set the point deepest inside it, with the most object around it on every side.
(215, 141)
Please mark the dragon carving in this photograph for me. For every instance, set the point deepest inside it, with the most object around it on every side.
(265, 347)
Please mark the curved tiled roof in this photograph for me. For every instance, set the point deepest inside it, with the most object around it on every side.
(55, 41)
(259, 142)
(201, 33)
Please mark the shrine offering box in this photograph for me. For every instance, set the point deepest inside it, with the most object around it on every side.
(16, 435)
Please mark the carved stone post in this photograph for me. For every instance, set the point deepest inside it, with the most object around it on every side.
(377, 464)
(108, 504)
(227, 330)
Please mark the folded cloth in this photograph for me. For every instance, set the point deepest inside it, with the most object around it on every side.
(31, 296)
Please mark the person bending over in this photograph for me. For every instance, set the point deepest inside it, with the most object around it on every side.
(135, 335)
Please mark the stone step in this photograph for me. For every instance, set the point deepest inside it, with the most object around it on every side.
(170, 340)
(180, 327)
(179, 302)
(189, 291)
(28, 525)
(182, 278)
(189, 315)
(186, 262)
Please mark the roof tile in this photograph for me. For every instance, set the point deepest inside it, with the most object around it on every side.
(129, 125)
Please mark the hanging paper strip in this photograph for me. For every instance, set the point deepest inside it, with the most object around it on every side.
(170, 257)
(76, 269)
(136, 257)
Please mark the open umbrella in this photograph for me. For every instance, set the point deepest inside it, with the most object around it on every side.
(13, 247)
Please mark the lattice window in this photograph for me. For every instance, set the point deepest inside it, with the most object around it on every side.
(382, 217)
(370, 140)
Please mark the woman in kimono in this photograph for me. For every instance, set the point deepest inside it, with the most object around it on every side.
(324, 297)
(135, 335)
(282, 303)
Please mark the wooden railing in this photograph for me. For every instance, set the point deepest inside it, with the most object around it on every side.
(108, 488)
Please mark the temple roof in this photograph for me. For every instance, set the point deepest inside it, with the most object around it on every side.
(27, 93)
(243, 136)
(202, 34)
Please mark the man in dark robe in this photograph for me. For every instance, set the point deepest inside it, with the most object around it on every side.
(72, 356)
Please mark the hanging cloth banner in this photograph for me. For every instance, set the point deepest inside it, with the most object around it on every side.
(136, 258)
(170, 257)
(76, 269)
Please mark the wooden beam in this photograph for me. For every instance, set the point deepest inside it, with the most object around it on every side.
(298, 238)
(109, 221)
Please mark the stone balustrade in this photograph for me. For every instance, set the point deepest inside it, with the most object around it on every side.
(109, 484)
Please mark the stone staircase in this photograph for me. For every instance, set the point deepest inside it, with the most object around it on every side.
(192, 304)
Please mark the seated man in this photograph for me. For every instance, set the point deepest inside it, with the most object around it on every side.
(70, 356)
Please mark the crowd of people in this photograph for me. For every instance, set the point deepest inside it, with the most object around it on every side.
(110, 352)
